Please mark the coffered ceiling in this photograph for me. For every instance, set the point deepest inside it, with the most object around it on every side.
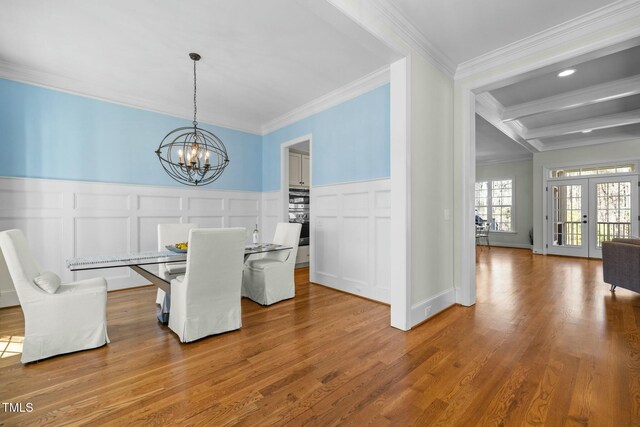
(598, 103)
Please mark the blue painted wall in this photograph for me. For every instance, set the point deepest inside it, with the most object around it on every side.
(55, 135)
(49, 134)
(351, 142)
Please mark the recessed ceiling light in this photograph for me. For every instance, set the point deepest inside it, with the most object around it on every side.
(566, 73)
(586, 131)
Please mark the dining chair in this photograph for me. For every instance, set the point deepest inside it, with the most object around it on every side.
(169, 234)
(206, 300)
(59, 318)
(269, 279)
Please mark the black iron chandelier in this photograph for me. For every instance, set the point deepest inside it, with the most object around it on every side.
(192, 155)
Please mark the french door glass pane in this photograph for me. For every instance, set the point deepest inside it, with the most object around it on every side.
(567, 215)
(613, 211)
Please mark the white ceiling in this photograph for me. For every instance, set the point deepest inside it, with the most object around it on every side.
(465, 29)
(260, 59)
(494, 146)
(599, 103)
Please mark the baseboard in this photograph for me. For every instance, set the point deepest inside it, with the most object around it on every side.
(8, 298)
(433, 306)
(363, 290)
(509, 245)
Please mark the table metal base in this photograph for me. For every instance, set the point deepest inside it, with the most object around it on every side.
(162, 311)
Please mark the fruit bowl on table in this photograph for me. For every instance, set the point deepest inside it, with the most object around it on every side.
(180, 248)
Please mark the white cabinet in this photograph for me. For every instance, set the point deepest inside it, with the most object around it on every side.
(299, 168)
(304, 170)
(303, 255)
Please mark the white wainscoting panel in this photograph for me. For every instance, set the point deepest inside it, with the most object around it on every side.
(272, 209)
(350, 237)
(66, 219)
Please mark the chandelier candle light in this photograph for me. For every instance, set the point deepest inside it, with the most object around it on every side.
(201, 155)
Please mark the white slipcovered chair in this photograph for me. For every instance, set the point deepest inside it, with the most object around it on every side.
(206, 300)
(71, 319)
(269, 279)
(169, 234)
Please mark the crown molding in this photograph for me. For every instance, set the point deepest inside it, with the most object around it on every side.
(613, 14)
(412, 36)
(356, 88)
(585, 142)
(64, 84)
(522, 158)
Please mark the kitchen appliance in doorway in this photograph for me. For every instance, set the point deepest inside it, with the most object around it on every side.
(299, 201)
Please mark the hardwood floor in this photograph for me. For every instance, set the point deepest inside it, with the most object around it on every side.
(546, 344)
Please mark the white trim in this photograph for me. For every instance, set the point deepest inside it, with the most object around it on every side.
(400, 240)
(435, 304)
(490, 109)
(402, 27)
(99, 93)
(284, 171)
(284, 194)
(595, 123)
(592, 140)
(610, 15)
(546, 179)
(357, 181)
(149, 186)
(508, 245)
(466, 242)
(575, 165)
(490, 201)
(524, 158)
(352, 90)
(591, 95)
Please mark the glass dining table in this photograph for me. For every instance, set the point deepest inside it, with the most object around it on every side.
(138, 261)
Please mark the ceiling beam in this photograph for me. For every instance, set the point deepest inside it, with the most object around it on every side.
(577, 98)
(491, 110)
(604, 122)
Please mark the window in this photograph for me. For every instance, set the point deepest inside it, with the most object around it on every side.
(592, 170)
(494, 204)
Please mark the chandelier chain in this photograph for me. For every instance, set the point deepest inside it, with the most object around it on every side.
(195, 105)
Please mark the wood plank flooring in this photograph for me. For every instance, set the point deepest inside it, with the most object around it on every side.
(546, 344)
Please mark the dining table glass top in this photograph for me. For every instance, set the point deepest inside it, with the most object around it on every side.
(152, 257)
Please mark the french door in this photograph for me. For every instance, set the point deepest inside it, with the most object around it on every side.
(585, 212)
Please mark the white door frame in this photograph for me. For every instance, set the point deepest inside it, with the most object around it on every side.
(589, 212)
(466, 89)
(284, 193)
(594, 252)
(583, 250)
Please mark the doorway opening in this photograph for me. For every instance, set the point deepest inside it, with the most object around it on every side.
(296, 193)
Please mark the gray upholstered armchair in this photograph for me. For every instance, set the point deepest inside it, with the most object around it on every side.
(621, 263)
